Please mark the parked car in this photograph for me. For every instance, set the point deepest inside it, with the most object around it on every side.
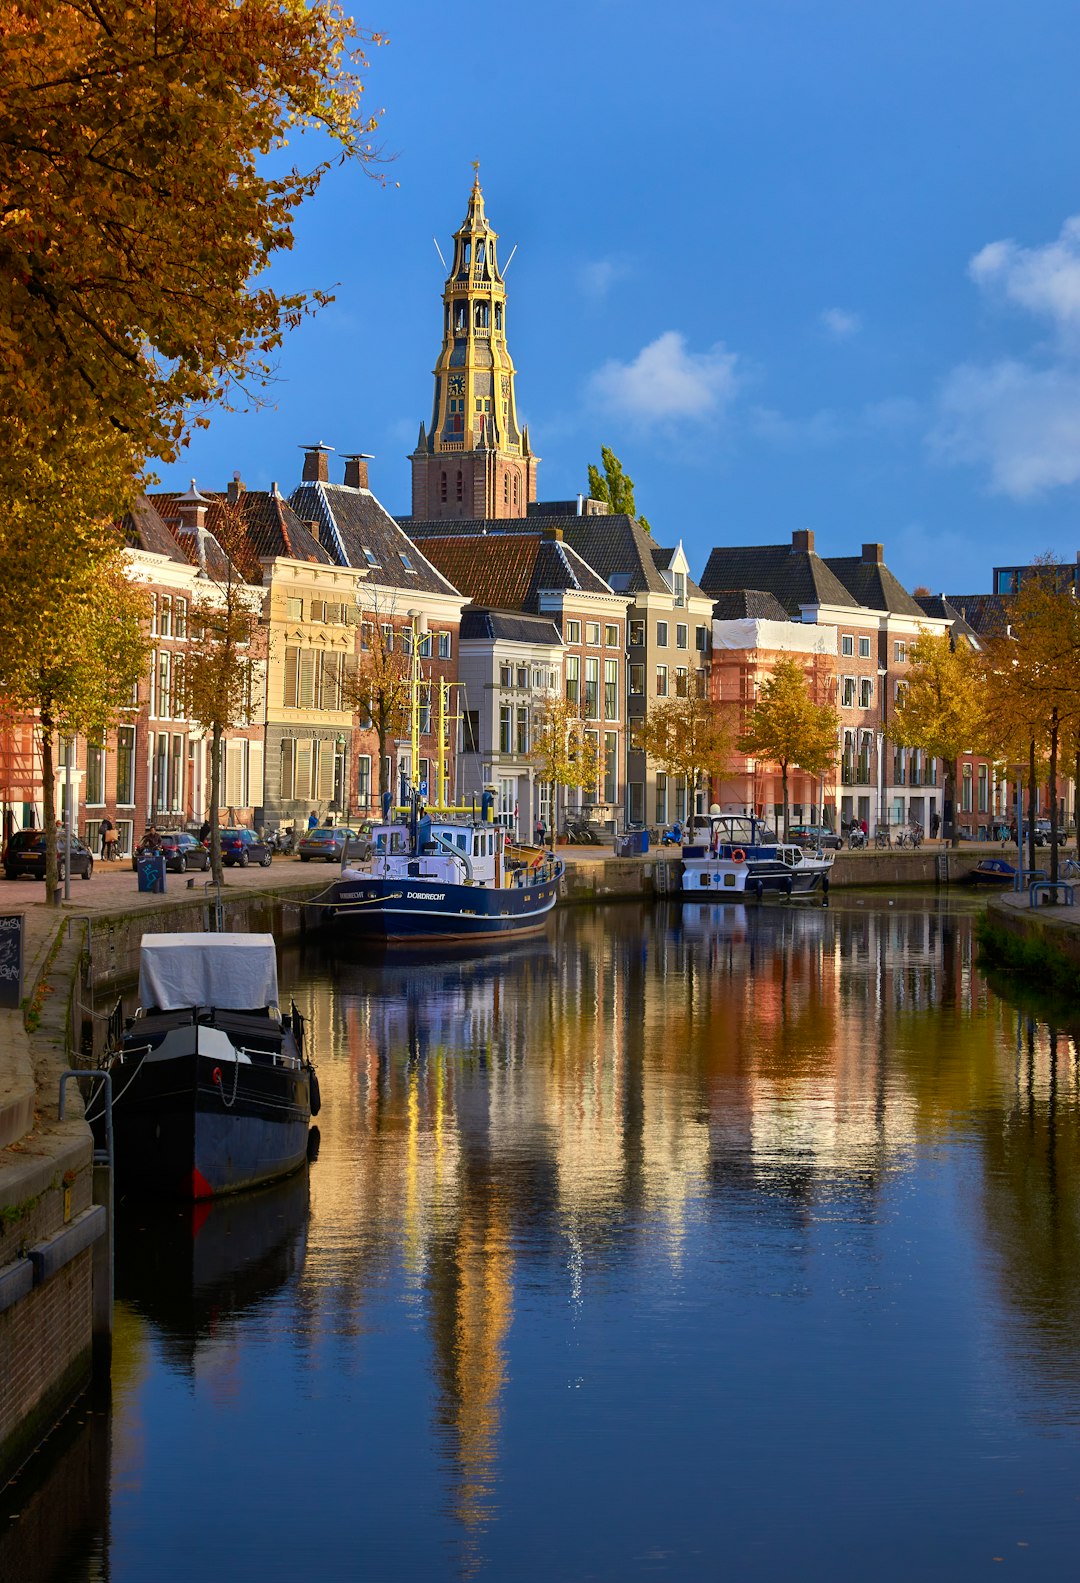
(26, 855)
(326, 842)
(1042, 833)
(815, 835)
(180, 849)
(241, 847)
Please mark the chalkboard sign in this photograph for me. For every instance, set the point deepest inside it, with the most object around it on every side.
(11, 960)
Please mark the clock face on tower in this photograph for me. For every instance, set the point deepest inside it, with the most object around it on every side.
(456, 385)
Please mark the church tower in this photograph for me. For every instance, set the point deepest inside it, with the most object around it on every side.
(475, 461)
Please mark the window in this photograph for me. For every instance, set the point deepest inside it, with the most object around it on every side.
(470, 731)
(611, 637)
(592, 632)
(163, 708)
(573, 678)
(425, 645)
(365, 635)
(318, 610)
(506, 676)
(459, 487)
(592, 689)
(165, 616)
(305, 688)
(363, 780)
(637, 634)
(521, 738)
(405, 561)
(180, 618)
(442, 487)
(425, 711)
(680, 588)
(505, 718)
(847, 692)
(636, 724)
(573, 632)
(637, 679)
(661, 681)
(635, 807)
(294, 609)
(661, 798)
(900, 651)
(444, 645)
(984, 795)
(176, 775)
(95, 774)
(864, 648)
(661, 634)
(611, 757)
(966, 789)
(682, 681)
(701, 639)
(866, 692)
(125, 766)
(369, 556)
(682, 635)
(847, 643)
(611, 689)
(523, 676)
(387, 638)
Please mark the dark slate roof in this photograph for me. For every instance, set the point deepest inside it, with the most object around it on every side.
(795, 577)
(478, 622)
(271, 526)
(351, 521)
(739, 604)
(144, 528)
(662, 560)
(507, 571)
(940, 609)
(873, 585)
(988, 614)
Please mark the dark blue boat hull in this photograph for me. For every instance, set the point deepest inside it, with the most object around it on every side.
(418, 909)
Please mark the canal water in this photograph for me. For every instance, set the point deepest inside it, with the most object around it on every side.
(723, 1244)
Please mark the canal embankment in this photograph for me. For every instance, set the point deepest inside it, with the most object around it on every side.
(1039, 943)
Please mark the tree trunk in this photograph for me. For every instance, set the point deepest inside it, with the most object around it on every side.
(382, 731)
(1032, 803)
(1055, 730)
(783, 782)
(48, 804)
(949, 798)
(215, 806)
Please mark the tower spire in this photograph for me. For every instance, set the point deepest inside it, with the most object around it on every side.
(472, 461)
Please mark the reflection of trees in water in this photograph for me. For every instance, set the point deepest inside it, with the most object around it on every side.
(1030, 1195)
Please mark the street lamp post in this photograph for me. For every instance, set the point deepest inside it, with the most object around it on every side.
(67, 819)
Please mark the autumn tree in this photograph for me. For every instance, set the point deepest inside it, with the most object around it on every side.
(564, 752)
(1036, 674)
(942, 706)
(690, 737)
(378, 686)
(145, 192)
(788, 727)
(225, 649)
(614, 486)
(75, 666)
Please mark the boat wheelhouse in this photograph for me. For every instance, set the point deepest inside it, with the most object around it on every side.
(743, 859)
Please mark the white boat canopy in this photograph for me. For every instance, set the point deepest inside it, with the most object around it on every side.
(234, 971)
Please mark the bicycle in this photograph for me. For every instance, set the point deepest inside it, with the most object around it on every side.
(1069, 869)
(882, 838)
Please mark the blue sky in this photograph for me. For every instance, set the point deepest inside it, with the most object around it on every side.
(801, 266)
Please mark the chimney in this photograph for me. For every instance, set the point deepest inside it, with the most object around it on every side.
(236, 488)
(356, 475)
(192, 508)
(803, 539)
(553, 535)
(873, 554)
(316, 465)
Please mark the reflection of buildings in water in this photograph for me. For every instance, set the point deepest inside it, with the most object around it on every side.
(470, 1287)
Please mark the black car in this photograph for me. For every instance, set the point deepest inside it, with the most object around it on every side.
(815, 835)
(326, 842)
(1042, 833)
(26, 855)
(181, 851)
(241, 847)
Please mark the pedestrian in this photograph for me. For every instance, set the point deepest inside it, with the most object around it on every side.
(863, 828)
(540, 832)
(151, 840)
(109, 835)
(935, 824)
(313, 820)
(204, 832)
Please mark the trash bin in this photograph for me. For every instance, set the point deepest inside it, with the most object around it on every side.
(644, 842)
(150, 867)
(622, 846)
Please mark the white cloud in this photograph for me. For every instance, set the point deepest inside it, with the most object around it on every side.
(841, 323)
(1044, 280)
(667, 381)
(597, 277)
(1021, 423)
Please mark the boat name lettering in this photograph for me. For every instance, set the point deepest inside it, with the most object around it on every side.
(425, 895)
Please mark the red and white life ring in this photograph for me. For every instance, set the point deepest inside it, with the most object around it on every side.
(738, 855)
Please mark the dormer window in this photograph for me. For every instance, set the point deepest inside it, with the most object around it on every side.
(680, 588)
(369, 556)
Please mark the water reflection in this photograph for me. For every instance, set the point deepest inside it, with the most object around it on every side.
(721, 1200)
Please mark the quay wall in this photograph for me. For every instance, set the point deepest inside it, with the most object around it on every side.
(1054, 930)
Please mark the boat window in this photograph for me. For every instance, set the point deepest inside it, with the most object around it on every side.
(463, 841)
(476, 846)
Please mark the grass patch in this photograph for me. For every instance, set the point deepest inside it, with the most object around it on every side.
(1034, 961)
